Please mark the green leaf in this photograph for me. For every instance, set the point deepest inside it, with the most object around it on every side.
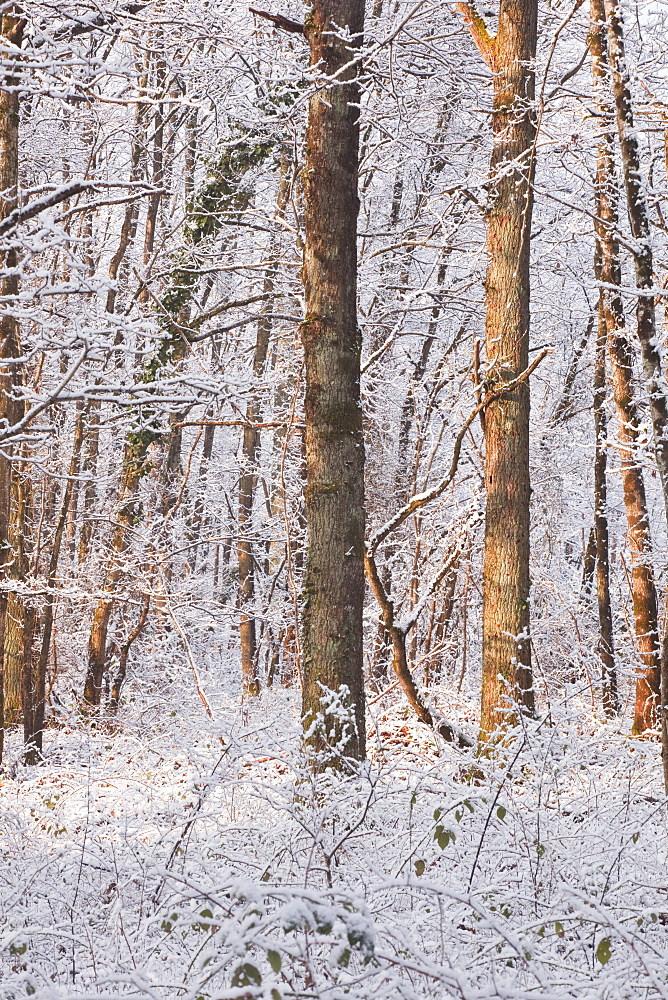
(443, 837)
(274, 960)
(246, 975)
(265, 876)
(501, 812)
(437, 814)
(540, 849)
(604, 950)
(206, 913)
(468, 805)
(635, 838)
(275, 995)
(458, 815)
(419, 867)
(559, 928)
(344, 958)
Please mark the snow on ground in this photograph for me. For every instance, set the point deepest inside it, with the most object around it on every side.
(196, 858)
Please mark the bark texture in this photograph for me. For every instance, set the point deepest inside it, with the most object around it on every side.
(604, 249)
(334, 574)
(506, 655)
(645, 605)
(11, 407)
(605, 628)
(636, 204)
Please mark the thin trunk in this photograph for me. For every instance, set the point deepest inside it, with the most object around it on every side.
(157, 175)
(199, 509)
(97, 642)
(33, 722)
(334, 574)
(248, 481)
(11, 407)
(606, 635)
(589, 563)
(636, 205)
(506, 656)
(119, 677)
(247, 485)
(129, 224)
(645, 606)
(20, 619)
(604, 251)
(87, 528)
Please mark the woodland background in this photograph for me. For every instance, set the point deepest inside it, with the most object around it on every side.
(159, 849)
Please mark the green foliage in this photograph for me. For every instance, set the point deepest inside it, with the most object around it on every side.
(604, 950)
(443, 837)
(246, 975)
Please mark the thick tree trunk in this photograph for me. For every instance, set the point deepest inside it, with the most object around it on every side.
(645, 610)
(506, 656)
(334, 575)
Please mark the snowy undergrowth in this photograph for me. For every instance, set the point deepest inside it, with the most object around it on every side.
(198, 860)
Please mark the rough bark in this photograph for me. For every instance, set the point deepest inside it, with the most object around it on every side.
(645, 609)
(605, 628)
(638, 215)
(506, 656)
(334, 573)
(11, 407)
(604, 249)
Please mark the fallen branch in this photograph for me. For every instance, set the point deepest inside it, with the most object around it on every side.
(399, 630)
(400, 659)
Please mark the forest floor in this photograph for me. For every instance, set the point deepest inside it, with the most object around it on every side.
(176, 856)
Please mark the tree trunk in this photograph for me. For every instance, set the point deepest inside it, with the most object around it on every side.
(639, 222)
(603, 192)
(119, 677)
(605, 628)
(334, 574)
(35, 691)
(506, 656)
(247, 484)
(11, 407)
(97, 641)
(607, 226)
